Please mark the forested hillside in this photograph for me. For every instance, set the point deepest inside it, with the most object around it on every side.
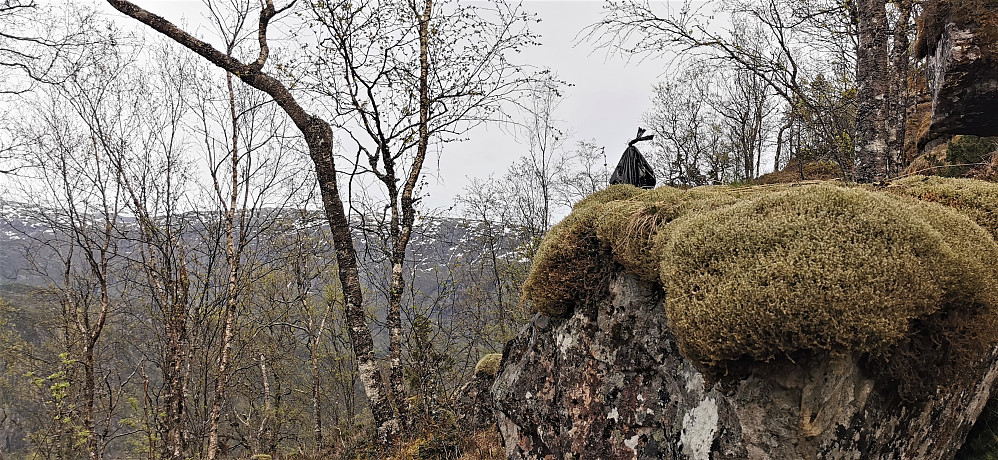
(297, 375)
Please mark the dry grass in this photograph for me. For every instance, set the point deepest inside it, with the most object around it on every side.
(452, 444)
(484, 445)
(793, 172)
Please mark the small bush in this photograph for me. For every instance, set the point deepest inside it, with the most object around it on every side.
(964, 153)
(440, 446)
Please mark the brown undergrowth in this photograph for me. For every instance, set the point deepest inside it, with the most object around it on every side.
(454, 444)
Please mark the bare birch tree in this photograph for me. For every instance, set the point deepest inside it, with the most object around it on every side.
(872, 84)
(805, 39)
(319, 137)
(81, 201)
(410, 74)
(435, 105)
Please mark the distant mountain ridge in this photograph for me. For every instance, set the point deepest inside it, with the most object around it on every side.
(26, 231)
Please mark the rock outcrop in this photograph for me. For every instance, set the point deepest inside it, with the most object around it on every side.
(606, 372)
(608, 382)
(960, 39)
(473, 401)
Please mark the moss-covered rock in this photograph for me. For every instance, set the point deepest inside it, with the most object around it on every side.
(768, 271)
(976, 199)
(488, 366)
(614, 225)
(473, 403)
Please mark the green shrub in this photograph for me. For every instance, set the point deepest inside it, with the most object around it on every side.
(964, 153)
(764, 272)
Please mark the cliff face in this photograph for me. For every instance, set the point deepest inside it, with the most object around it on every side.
(608, 382)
(959, 38)
(763, 323)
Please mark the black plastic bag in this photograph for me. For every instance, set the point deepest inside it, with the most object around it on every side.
(633, 168)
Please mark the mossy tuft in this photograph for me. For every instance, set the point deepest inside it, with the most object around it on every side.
(769, 271)
(488, 366)
(976, 199)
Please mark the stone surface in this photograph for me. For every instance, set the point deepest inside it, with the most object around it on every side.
(964, 82)
(474, 403)
(607, 381)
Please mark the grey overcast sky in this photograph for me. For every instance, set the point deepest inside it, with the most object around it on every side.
(605, 103)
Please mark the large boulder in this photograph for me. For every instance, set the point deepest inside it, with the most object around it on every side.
(609, 382)
(679, 331)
